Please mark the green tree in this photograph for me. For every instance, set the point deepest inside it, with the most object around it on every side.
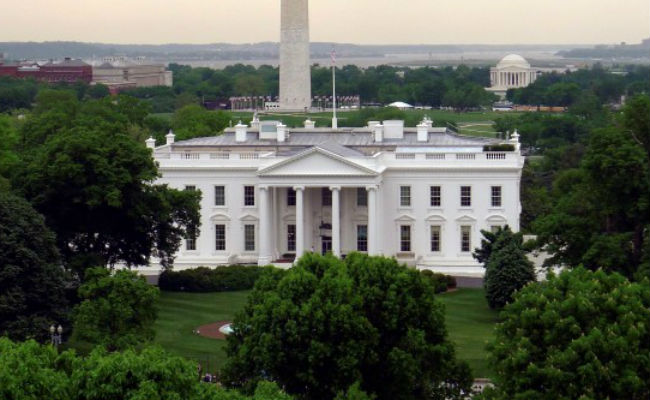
(579, 335)
(98, 91)
(326, 324)
(195, 121)
(29, 371)
(95, 188)
(507, 269)
(32, 283)
(117, 310)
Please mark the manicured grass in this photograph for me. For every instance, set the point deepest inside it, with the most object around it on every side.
(180, 313)
(470, 323)
(469, 320)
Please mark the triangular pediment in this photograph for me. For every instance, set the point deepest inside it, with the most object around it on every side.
(317, 162)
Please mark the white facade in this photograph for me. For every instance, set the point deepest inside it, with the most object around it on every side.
(295, 73)
(512, 72)
(420, 194)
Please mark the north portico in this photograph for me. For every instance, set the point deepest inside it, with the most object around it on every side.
(271, 193)
(317, 177)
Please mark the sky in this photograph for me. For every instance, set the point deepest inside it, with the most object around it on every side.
(342, 21)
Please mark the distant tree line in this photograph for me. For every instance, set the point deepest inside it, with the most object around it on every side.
(584, 86)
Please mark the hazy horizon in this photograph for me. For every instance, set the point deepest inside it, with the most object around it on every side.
(363, 22)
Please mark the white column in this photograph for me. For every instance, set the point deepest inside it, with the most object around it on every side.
(265, 257)
(300, 221)
(372, 220)
(336, 221)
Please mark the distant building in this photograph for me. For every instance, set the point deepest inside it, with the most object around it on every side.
(121, 74)
(512, 72)
(68, 71)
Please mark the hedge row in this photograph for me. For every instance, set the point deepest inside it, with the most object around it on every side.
(203, 279)
(499, 147)
(441, 282)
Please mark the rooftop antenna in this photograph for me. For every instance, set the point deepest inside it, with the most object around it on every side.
(335, 124)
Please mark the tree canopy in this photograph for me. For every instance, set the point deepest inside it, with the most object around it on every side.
(32, 280)
(117, 310)
(326, 324)
(600, 209)
(29, 371)
(579, 335)
(94, 184)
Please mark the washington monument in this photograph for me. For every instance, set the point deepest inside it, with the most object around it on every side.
(295, 74)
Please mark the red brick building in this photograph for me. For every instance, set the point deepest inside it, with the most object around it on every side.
(68, 70)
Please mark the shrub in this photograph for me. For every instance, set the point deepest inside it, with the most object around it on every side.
(204, 279)
(441, 282)
(499, 147)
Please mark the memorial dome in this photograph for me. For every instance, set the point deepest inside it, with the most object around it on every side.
(513, 60)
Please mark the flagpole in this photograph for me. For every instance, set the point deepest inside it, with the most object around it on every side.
(335, 124)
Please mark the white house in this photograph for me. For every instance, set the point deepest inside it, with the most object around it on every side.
(419, 194)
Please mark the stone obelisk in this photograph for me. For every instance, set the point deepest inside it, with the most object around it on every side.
(295, 73)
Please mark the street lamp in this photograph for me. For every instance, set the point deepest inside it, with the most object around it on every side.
(55, 334)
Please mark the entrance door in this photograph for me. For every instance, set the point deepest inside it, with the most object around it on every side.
(326, 245)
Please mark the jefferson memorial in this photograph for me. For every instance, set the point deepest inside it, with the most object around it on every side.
(271, 193)
(512, 72)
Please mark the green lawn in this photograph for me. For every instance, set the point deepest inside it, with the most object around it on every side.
(471, 325)
(180, 313)
(469, 320)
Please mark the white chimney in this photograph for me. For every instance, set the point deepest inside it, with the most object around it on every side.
(282, 132)
(378, 130)
(423, 132)
(309, 124)
(240, 132)
(151, 143)
(394, 129)
(170, 137)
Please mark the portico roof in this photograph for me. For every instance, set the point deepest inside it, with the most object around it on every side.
(318, 161)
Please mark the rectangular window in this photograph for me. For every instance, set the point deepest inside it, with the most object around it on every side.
(362, 237)
(435, 238)
(291, 238)
(190, 188)
(220, 237)
(249, 237)
(405, 238)
(220, 196)
(405, 196)
(249, 196)
(466, 196)
(326, 197)
(465, 238)
(190, 243)
(496, 196)
(435, 193)
(495, 228)
(362, 197)
(291, 197)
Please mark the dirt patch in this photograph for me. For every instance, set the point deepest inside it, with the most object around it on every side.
(212, 330)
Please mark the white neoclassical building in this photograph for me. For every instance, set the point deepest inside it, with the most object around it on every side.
(420, 194)
(512, 72)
